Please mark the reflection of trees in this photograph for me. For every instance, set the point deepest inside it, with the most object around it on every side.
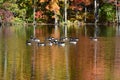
(109, 57)
(107, 31)
(17, 68)
(83, 62)
(88, 31)
(82, 65)
(117, 55)
(51, 61)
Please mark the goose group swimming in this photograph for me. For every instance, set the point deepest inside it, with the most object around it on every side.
(50, 41)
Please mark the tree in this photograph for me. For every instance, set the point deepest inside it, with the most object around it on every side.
(107, 12)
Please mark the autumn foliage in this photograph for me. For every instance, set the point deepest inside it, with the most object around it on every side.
(48, 9)
(6, 15)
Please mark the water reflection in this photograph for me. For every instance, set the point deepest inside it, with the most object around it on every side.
(87, 60)
(66, 56)
(85, 30)
(33, 63)
(5, 62)
(34, 26)
(117, 55)
(95, 51)
(65, 30)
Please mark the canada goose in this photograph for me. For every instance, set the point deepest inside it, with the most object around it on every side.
(49, 39)
(64, 39)
(34, 39)
(28, 43)
(94, 38)
(49, 43)
(61, 43)
(41, 44)
(73, 40)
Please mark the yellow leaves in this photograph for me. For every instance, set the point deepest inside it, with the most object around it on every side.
(79, 17)
(30, 1)
(62, 0)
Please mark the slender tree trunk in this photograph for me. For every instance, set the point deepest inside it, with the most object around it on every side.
(65, 11)
(34, 9)
(85, 14)
(56, 19)
(95, 11)
(118, 10)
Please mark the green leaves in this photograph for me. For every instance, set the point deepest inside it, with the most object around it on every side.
(107, 12)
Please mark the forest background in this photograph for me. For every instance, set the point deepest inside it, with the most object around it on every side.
(46, 11)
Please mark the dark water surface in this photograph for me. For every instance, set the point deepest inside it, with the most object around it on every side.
(87, 60)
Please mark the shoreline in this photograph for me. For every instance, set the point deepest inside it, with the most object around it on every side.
(61, 24)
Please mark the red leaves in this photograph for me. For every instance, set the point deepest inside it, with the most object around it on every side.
(6, 15)
(78, 1)
(38, 14)
(80, 4)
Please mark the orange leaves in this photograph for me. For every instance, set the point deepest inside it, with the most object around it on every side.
(76, 8)
(53, 6)
(42, 0)
(87, 2)
(72, 7)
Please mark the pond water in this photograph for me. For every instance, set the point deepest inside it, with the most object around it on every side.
(86, 60)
